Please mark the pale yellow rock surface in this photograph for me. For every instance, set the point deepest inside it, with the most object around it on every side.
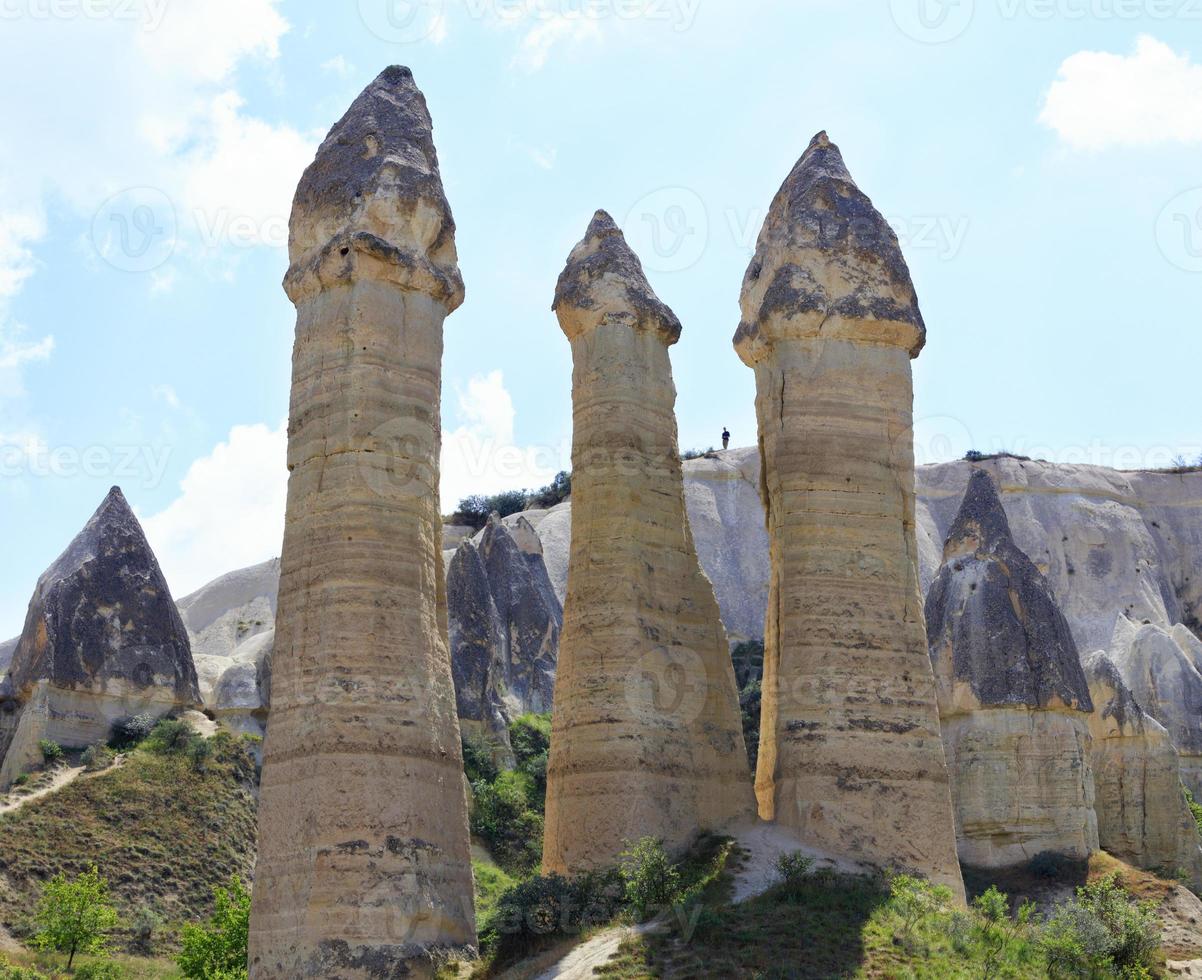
(647, 735)
(850, 749)
(364, 861)
(1143, 818)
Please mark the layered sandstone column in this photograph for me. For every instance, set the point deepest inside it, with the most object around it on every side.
(647, 736)
(364, 867)
(850, 751)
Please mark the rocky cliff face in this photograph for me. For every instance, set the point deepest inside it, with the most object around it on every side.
(1143, 818)
(1013, 699)
(504, 622)
(102, 640)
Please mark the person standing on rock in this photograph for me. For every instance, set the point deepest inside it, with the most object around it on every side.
(725, 438)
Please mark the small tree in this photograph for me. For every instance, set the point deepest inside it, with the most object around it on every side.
(651, 879)
(219, 949)
(75, 916)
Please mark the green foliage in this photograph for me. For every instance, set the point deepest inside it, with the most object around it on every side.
(97, 757)
(748, 661)
(914, 899)
(219, 949)
(199, 751)
(502, 817)
(556, 492)
(21, 779)
(52, 752)
(650, 879)
(75, 916)
(1104, 932)
(689, 454)
(1194, 806)
(128, 732)
(530, 736)
(142, 926)
(10, 971)
(491, 883)
(475, 510)
(793, 869)
(478, 763)
(99, 970)
(974, 456)
(170, 735)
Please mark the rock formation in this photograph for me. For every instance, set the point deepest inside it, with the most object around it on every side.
(504, 629)
(850, 752)
(102, 641)
(364, 867)
(1143, 818)
(1163, 669)
(647, 737)
(1013, 699)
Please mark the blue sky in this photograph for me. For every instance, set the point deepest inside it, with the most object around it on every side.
(1039, 159)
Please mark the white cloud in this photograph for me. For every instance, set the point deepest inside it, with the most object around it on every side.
(166, 394)
(551, 30)
(230, 512)
(480, 455)
(1152, 96)
(336, 66)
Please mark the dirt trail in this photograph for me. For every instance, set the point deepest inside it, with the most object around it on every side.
(63, 776)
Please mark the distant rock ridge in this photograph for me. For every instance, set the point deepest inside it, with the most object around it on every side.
(103, 638)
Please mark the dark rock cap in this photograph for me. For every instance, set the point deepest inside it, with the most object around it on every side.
(992, 620)
(603, 281)
(374, 188)
(826, 258)
(1121, 706)
(103, 612)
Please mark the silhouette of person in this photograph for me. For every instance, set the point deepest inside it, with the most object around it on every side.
(725, 438)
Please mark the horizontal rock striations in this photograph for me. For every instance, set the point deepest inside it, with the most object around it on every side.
(1143, 818)
(103, 640)
(364, 866)
(1013, 698)
(647, 736)
(850, 752)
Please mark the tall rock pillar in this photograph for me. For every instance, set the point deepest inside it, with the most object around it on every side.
(364, 867)
(647, 735)
(850, 752)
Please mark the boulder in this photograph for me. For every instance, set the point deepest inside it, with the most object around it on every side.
(1013, 699)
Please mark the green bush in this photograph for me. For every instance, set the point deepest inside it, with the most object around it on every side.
(74, 916)
(10, 971)
(170, 735)
(556, 492)
(200, 751)
(793, 869)
(142, 927)
(20, 779)
(651, 879)
(218, 949)
(128, 732)
(913, 900)
(543, 908)
(478, 763)
(97, 757)
(1104, 932)
(52, 752)
(530, 736)
(99, 970)
(502, 817)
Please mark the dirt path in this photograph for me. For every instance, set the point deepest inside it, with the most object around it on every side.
(63, 776)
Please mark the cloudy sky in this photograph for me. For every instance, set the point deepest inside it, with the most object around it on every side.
(1040, 160)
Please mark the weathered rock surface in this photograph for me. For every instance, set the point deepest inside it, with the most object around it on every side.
(102, 635)
(850, 751)
(504, 628)
(1163, 669)
(1143, 818)
(7, 648)
(364, 862)
(647, 736)
(1013, 698)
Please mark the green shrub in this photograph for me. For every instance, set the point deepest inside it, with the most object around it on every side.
(99, 970)
(219, 948)
(74, 916)
(651, 879)
(10, 971)
(556, 492)
(543, 908)
(52, 752)
(1194, 806)
(97, 757)
(142, 927)
(530, 736)
(1103, 932)
(170, 735)
(200, 751)
(129, 732)
(478, 763)
(21, 779)
(914, 899)
(502, 817)
(793, 869)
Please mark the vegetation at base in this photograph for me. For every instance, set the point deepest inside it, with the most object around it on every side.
(52, 752)
(74, 915)
(507, 805)
(218, 950)
(817, 924)
(161, 831)
(474, 511)
(1194, 806)
(748, 661)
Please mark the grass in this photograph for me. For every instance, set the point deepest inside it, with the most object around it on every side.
(133, 967)
(161, 833)
(491, 883)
